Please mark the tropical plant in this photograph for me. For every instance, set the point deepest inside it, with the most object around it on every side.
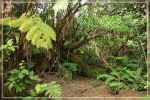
(8, 47)
(39, 33)
(51, 89)
(19, 79)
(66, 69)
(112, 82)
(120, 78)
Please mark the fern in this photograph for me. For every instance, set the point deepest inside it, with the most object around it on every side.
(116, 85)
(5, 21)
(66, 69)
(16, 23)
(122, 59)
(138, 72)
(39, 33)
(70, 66)
(102, 76)
(109, 79)
(26, 26)
(51, 89)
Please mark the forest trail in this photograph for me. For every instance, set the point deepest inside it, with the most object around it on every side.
(81, 86)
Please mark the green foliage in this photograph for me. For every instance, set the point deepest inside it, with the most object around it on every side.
(148, 85)
(5, 21)
(122, 77)
(125, 23)
(112, 82)
(51, 89)
(32, 93)
(18, 79)
(123, 60)
(8, 47)
(39, 33)
(16, 23)
(67, 70)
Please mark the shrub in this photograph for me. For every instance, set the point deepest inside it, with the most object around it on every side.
(18, 79)
(66, 69)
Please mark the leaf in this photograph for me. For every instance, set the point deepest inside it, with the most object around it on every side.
(21, 75)
(51, 89)
(32, 93)
(10, 86)
(21, 67)
(38, 88)
(35, 77)
(16, 23)
(25, 71)
(13, 71)
(70, 66)
(102, 76)
(26, 26)
(18, 88)
(32, 32)
(41, 35)
(116, 85)
(5, 21)
(109, 79)
(11, 48)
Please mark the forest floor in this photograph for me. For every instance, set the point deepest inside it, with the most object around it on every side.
(80, 87)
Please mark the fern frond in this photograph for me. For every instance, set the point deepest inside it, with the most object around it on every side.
(109, 79)
(39, 33)
(70, 66)
(51, 89)
(32, 32)
(5, 21)
(26, 26)
(102, 76)
(49, 32)
(138, 72)
(116, 85)
(16, 23)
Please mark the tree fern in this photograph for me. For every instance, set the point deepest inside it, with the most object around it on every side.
(5, 21)
(16, 23)
(26, 26)
(39, 33)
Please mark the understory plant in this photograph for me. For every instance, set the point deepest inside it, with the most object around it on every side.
(119, 78)
(19, 79)
(66, 70)
(8, 47)
(51, 89)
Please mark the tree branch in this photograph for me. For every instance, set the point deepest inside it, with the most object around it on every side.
(70, 12)
(85, 39)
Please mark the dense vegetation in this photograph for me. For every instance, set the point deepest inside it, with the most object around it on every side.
(104, 41)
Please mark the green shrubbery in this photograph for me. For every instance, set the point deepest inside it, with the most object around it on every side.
(122, 77)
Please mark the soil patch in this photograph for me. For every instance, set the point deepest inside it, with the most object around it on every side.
(80, 87)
